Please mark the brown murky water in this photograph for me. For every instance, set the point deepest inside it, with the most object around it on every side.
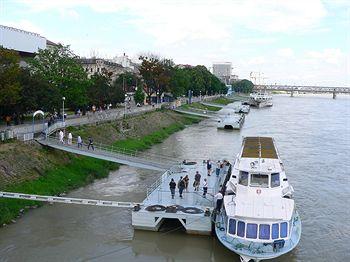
(313, 137)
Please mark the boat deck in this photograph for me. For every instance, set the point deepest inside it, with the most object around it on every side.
(259, 147)
(189, 210)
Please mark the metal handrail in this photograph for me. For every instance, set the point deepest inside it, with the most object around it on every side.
(122, 152)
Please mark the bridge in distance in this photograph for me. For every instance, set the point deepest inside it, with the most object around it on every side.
(304, 89)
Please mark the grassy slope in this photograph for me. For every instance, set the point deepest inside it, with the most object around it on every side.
(200, 106)
(222, 101)
(80, 171)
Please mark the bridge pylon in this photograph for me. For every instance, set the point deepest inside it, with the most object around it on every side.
(334, 94)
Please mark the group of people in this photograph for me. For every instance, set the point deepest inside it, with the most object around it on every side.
(61, 136)
(183, 183)
(219, 166)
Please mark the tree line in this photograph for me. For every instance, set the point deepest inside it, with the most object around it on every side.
(56, 72)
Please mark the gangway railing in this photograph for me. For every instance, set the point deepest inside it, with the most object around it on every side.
(161, 162)
(68, 200)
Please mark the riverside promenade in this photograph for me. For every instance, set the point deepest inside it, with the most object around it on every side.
(73, 120)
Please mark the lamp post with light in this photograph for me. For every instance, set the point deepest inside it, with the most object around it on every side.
(63, 98)
(157, 97)
(125, 101)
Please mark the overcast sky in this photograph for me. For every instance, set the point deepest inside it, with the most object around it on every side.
(291, 42)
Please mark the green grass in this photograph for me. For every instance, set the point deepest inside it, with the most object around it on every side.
(222, 101)
(78, 172)
(155, 137)
(200, 106)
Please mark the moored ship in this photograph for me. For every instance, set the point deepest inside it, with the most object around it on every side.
(260, 100)
(258, 220)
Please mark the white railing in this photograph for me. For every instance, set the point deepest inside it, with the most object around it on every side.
(68, 200)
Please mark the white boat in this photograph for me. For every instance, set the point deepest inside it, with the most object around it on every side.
(258, 220)
(260, 99)
(231, 121)
(242, 109)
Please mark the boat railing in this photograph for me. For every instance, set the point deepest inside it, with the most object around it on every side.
(157, 183)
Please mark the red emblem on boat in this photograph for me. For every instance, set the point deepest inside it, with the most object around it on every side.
(258, 191)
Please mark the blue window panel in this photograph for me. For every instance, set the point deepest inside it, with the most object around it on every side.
(275, 231)
(252, 230)
(232, 226)
(240, 229)
(284, 229)
(275, 179)
(264, 231)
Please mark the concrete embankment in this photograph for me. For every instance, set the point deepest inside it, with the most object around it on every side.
(30, 168)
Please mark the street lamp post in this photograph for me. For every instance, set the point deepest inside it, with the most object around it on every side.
(200, 95)
(125, 101)
(63, 98)
(157, 97)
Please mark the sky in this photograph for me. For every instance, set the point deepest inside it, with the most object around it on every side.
(296, 42)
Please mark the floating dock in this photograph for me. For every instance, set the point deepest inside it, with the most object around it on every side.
(193, 211)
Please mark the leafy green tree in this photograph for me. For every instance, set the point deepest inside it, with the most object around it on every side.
(36, 93)
(127, 80)
(139, 96)
(243, 86)
(10, 89)
(59, 66)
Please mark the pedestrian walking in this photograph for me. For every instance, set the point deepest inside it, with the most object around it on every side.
(80, 142)
(172, 186)
(209, 167)
(205, 188)
(218, 168)
(91, 144)
(186, 180)
(219, 199)
(61, 136)
(70, 138)
(197, 180)
(181, 186)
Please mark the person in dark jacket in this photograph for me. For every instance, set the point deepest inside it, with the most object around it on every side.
(172, 186)
(91, 144)
(181, 186)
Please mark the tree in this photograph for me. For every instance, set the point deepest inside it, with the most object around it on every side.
(59, 66)
(243, 86)
(10, 90)
(139, 96)
(156, 73)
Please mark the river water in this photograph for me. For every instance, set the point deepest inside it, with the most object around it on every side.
(313, 138)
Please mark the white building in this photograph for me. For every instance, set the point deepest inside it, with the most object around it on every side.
(99, 65)
(20, 40)
(223, 71)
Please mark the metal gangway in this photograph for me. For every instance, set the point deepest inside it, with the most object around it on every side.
(196, 112)
(115, 154)
(212, 104)
(68, 200)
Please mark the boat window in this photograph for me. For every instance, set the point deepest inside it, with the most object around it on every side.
(243, 178)
(264, 231)
(275, 179)
(252, 230)
(240, 228)
(275, 231)
(232, 226)
(259, 180)
(284, 229)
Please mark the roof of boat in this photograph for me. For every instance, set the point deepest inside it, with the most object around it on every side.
(259, 207)
(259, 147)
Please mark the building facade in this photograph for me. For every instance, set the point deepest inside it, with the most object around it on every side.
(223, 71)
(98, 66)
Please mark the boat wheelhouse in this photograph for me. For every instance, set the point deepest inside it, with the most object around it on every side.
(260, 100)
(231, 121)
(259, 220)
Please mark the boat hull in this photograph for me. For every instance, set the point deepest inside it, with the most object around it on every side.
(256, 251)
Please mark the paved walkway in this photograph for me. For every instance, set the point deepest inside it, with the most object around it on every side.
(89, 118)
